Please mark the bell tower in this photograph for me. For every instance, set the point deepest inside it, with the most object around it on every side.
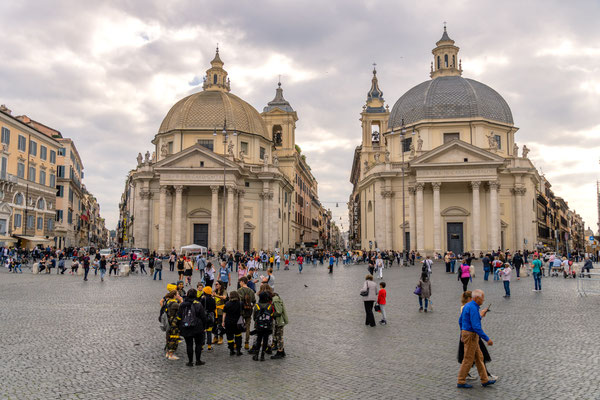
(445, 58)
(374, 117)
(216, 77)
(281, 119)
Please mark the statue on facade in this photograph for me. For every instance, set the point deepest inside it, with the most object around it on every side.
(164, 150)
(493, 144)
(139, 159)
(230, 148)
(242, 155)
(387, 156)
(515, 150)
(376, 157)
(153, 157)
(419, 143)
(266, 160)
(412, 149)
(147, 158)
(275, 160)
(525, 151)
(366, 164)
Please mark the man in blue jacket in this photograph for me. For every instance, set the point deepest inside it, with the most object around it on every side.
(471, 331)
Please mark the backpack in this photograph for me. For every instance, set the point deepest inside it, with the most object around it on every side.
(189, 318)
(264, 321)
(247, 303)
(425, 267)
(163, 317)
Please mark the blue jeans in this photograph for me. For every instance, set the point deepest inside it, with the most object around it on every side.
(421, 302)
(537, 279)
(486, 274)
(452, 265)
(86, 272)
(299, 267)
(507, 287)
(159, 273)
(496, 276)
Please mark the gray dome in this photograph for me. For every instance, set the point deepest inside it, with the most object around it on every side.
(450, 97)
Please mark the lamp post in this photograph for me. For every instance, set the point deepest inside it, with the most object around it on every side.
(225, 140)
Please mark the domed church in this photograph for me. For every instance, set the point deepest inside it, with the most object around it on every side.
(221, 175)
(442, 170)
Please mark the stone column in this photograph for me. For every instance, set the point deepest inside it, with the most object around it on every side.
(162, 220)
(229, 218)
(476, 218)
(144, 218)
(519, 192)
(420, 219)
(494, 217)
(265, 216)
(389, 219)
(412, 224)
(274, 218)
(437, 224)
(214, 218)
(169, 220)
(241, 193)
(177, 217)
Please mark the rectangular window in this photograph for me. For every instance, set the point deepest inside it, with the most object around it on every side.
(59, 215)
(22, 144)
(43, 152)
(60, 191)
(21, 170)
(32, 148)
(61, 151)
(244, 147)
(70, 195)
(50, 225)
(406, 144)
(30, 221)
(31, 174)
(262, 153)
(170, 146)
(3, 168)
(17, 220)
(206, 143)
(52, 156)
(448, 137)
(52, 180)
(43, 178)
(60, 171)
(5, 135)
(40, 223)
(498, 140)
(70, 217)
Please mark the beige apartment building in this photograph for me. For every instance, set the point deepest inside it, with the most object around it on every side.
(27, 181)
(69, 194)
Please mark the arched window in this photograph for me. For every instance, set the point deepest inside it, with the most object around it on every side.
(446, 60)
(215, 79)
(18, 199)
(453, 62)
(438, 63)
(40, 204)
(370, 207)
(277, 139)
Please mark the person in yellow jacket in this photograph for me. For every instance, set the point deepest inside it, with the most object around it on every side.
(220, 295)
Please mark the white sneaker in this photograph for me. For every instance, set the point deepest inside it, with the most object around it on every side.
(493, 377)
(471, 377)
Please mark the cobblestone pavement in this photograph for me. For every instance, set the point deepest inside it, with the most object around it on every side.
(63, 338)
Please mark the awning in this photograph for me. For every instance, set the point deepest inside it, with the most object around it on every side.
(35, 239)
(7, 239)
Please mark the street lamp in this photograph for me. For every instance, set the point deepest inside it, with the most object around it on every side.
(225, 140)
(402, 139)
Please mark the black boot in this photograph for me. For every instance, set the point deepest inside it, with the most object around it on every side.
(262, 356)
(282, 353)
(269, 351)
(238, 345)
(255, 357)
(278, 355)
(231, 350)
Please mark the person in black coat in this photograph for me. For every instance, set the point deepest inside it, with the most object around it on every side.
(518, 262)
(192, 320)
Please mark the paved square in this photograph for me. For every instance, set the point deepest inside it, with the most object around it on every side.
(63, 338)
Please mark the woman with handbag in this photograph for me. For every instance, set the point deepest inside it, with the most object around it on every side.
(369, 294)
(233, 323)
(425, 291)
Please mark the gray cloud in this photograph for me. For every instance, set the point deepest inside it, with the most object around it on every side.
(112, 101)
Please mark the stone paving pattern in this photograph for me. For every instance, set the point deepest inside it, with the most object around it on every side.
(63, 338)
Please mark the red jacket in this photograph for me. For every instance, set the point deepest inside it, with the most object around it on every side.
(300, 260)
(381, 297)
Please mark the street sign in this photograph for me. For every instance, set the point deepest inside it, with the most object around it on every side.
(591, 238)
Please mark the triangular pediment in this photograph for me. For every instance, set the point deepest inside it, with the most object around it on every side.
(194, 157)
(457, 152)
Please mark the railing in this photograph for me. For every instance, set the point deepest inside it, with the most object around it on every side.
(588, 283)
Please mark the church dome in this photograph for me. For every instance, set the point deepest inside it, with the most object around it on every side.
(447, 97)
(208, 110)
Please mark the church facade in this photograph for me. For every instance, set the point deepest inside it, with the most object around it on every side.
(442, 170)
(222, 175)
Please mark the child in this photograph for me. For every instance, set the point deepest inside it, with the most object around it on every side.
(381, 300)
(506, 271)
(425, 286)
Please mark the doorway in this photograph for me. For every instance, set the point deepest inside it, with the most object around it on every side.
(455, 237)
(246, 241)
(201, 234)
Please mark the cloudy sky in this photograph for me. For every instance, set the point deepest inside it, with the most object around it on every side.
(105, 73)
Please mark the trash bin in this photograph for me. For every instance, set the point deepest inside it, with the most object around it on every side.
(123, 269)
